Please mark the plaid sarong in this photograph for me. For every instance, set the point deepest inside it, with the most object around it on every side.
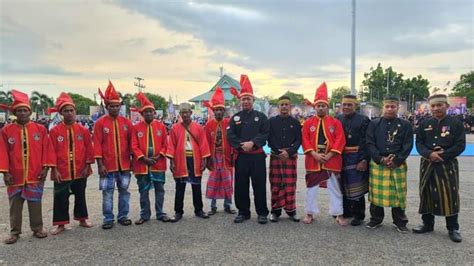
(29, 192)
(219, 184)
(388, 187)
(283, 177)
(355, 183)
(439, 187)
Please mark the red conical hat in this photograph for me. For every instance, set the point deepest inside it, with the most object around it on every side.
(321, 95)
(245, 86)
(145, 102)
(20, 99)
(217, 99)
(63, 100)
(111, 95)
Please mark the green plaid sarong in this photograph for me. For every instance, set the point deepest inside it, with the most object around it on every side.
(388, 187)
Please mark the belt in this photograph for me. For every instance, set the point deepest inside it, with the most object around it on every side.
(351, 149)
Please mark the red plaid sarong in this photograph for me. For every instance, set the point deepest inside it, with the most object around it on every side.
(219, 184)
(283, 177)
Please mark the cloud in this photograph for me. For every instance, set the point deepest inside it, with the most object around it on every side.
(171, 50)
(16, 69)
(135, 42)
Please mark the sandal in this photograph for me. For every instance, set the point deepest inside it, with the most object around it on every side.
(107, 226)
(308, 219)
(140, 221)
(85, 224)
(40, 234)
(125, 222)
(12, 239)
(58, 230)
(340, 220)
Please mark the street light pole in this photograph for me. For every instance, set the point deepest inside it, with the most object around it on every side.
(138, 84)
(353, 47)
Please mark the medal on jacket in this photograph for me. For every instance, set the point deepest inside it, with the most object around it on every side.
(391, 136)
(444, 131)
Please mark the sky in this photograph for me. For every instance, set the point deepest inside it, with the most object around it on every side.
(179, 46)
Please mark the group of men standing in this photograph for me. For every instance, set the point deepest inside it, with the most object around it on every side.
(349, 155)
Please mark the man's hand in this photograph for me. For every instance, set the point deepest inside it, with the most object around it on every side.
(247, 145)
(85, 172)
(362, 166)
(283, 154)
(148, 161)
(328, 156)
(56, 176)
(8, 179)
(43, 174)
(209, 164)
(434, 157)
(203, 165)
(317, 156)
(172, 167)
(102, 170)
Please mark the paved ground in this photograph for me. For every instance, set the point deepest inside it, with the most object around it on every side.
(218, 240)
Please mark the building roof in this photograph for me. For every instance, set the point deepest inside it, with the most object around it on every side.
(225, 82)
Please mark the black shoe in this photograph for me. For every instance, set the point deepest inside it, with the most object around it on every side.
(176, 218)
(262, 219)
(294, 218)
(164, 219)
(107, 226)
(274, 218)
(421, 229)
(373, 225)
(241, 218)
(401, 228)
(229, 210)
(125, 222)
(212, 211)
(455, 236)
(356, 222)
(202, 214)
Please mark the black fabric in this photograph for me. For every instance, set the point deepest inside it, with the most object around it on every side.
(181, 189)
(285, 133)
(398, 215)
(355, 128)
(62, 191)
(451, 221)
(354, 208)
(248, 126)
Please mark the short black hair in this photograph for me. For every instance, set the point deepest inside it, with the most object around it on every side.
(350, 96)
(391, 98)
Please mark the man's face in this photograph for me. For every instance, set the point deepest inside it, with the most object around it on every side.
(439, 109)
(390, 110)
(22, 114)
(69, 113)
(284, 107)
(246, 102)
(219, 113)
(114, 109)
(348, 108)
(185, 115)
(321, 109)
(148, 115)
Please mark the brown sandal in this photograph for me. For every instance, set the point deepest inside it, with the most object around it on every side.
(140, 221)
(308, 219)
(12, 239)
(40, 234)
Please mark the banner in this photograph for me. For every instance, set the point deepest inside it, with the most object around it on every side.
(457, 105)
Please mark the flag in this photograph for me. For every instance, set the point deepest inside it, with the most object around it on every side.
(55, 121)
(170, 107)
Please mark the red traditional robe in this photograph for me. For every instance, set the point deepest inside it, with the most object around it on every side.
(140, 143)
(211, 134)
(72, 142)
(24, 160)
(112, 142)
(336, 141)
(177, 152)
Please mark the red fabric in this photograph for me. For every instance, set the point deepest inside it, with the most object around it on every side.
(317, 178)
(335, 142)
(211, 133)
(111, 95)
(83, 151)
(321, 94)
(145, 103)
(245, 87)
(220, 181)
(39, 152)
(105, 146)
(176, 150)
(63, 100)
(20, 99)
(283, 177)
(140, 140)
(217, 99)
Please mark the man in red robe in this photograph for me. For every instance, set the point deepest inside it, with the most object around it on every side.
(188, 151)
(27, 155)
(149, 162)
(219, 184)
(72, 145)
(112, 149)
(323, 141)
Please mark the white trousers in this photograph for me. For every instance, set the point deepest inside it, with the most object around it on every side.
(335, 198)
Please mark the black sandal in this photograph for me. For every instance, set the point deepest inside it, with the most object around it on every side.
(125, 222)
(140, 221)
(107, 226)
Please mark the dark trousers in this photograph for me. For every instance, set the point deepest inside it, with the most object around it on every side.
(16, 214)
(62, 191)
(354, 208)
(251, 166)
(398, 215)
(181, 189)
(451, 221)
